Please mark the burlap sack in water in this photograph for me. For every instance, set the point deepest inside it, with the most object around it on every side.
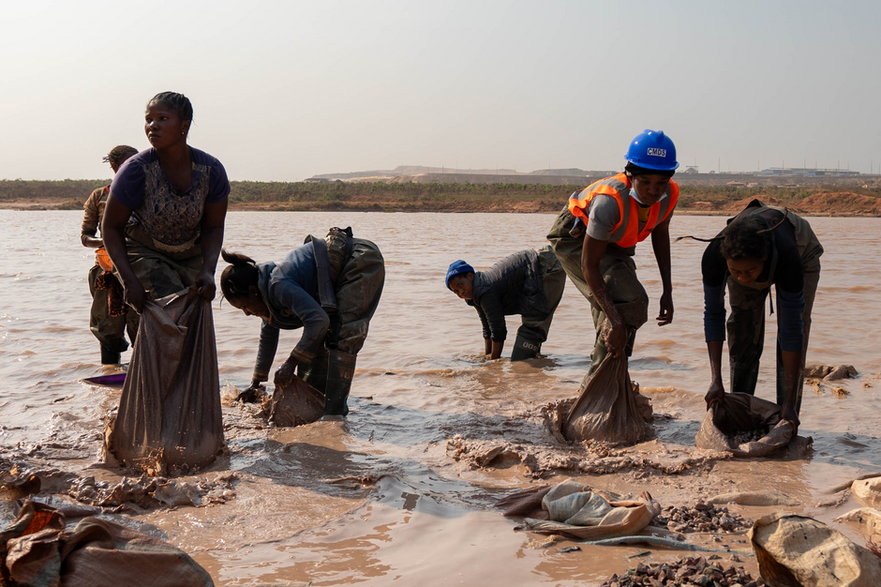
(744, 425)
(574, 509)
(169, 414)
(294, 404)
(797, 551)
(606, 408)
(38, 549)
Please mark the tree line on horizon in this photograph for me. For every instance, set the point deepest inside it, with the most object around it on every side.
(72, 193)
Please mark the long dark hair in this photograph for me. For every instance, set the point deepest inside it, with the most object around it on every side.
(238, 277)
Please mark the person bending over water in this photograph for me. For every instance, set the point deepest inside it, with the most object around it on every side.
(760, 247)
(529, 283)
(330, 289)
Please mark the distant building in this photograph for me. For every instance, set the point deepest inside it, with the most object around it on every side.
(808, 172)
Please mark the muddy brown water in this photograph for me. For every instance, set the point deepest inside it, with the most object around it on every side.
(379, 498)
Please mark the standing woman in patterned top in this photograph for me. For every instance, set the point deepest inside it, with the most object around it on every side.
(163, 225)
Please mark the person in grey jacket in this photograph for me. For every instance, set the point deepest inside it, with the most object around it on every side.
(329, 288)
(529, 283)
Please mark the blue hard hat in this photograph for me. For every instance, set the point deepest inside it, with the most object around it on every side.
(457, 268)
(652, 149)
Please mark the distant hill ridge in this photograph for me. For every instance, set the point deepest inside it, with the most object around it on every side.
(407, 171)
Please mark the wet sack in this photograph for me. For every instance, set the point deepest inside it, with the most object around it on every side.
(608, 409)
(169, 416)
(573, 509)
(294, 404)
(745, 426)
(40, 548)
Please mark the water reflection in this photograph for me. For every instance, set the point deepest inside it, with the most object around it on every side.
(420, 515)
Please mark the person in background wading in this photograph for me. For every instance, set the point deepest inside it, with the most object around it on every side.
(529, 283)
(163, 225)
(109, 315)
(761, 246)
(595, 238)
(329, 288)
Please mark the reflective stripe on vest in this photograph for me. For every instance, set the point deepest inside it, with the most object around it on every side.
(626, 232)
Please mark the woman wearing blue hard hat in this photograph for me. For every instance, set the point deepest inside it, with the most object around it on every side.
(595, 239)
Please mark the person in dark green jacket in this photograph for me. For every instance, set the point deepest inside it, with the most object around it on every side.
(529, 283)
(760, 247)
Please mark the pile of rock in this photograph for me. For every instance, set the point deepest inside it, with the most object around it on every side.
(703, 517)
(688, 571)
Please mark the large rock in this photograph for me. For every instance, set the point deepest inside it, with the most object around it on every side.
(868, 521)
(799, 551)
(868, 491)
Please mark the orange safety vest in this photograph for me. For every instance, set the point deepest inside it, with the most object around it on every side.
(626, 232)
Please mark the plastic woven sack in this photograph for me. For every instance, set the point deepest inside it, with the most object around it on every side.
(295, 404)
(573, 509)
(607, 408)
(745, 426)
(169, 415)
(38, 549)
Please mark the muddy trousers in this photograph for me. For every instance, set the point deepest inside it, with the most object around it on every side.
(619, 276)
(109, 330)
(746, 335)
(534, 328)
(358, 293)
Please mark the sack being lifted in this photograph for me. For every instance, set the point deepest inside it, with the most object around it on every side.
(608, 408)
(294, 404)
(169, 414)
(744, 425)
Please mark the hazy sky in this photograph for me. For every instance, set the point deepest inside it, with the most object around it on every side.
(283, 90)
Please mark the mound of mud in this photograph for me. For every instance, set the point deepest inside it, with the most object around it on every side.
(841, 204)
(589, 457)
(830, 372)
(151, 492)
(18, 480)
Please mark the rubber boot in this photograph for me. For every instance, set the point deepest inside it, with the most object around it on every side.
(109, 356)
(315, 373)
(340, 370)
(525, 349)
